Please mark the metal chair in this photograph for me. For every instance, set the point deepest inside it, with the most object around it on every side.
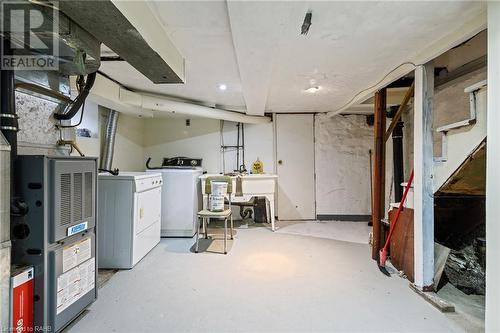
(205, 215)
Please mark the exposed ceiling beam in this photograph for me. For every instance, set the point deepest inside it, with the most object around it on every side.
(132, 31)
(140, 15)
(256, 41)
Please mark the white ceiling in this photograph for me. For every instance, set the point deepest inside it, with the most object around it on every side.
(257, 50)
(201, 33)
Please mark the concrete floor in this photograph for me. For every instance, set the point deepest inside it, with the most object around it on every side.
(356, 232)
(268, 282)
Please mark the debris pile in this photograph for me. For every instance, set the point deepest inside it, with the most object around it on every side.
(464, 270)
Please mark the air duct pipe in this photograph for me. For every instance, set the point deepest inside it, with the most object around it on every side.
(163, 104)
(109, 141)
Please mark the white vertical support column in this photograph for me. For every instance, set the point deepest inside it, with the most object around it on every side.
(423, 166)
(492, 323)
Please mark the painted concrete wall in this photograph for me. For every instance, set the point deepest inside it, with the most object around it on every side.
(342, 165)
(168, 137)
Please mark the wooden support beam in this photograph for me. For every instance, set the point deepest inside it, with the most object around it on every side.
(492, 322)
(378, 201)
(423, 163)
(398, 114)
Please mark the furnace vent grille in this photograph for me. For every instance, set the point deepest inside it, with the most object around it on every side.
(77, 196)
(65, 198)
(88, 194)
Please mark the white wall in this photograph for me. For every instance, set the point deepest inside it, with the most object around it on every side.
(493, 165)
(129, 144)
(169, 137)
(129, 140)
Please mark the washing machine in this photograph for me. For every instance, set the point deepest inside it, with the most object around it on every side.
(129, 218)
(181, 200)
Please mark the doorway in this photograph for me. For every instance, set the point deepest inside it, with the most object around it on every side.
(295, 166)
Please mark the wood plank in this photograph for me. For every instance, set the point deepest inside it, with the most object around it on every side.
(441, 254)
(401, 250)
(470, 177)
(431, 297)
(378, 201)
(398, 114)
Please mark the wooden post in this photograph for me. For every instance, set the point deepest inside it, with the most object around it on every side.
(492, 322)
(423, 163)
(378, 201)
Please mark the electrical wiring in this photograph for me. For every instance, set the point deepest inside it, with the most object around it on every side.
(374, 85)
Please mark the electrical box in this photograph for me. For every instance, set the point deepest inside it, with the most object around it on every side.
(57, 235)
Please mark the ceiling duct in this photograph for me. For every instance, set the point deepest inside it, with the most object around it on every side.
(116, 28)
(163, 104)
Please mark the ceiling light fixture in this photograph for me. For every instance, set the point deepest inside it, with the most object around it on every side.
(313, 90)
(222, 87)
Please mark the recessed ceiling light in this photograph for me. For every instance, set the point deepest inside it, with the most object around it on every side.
(222, 87)
(313, 90)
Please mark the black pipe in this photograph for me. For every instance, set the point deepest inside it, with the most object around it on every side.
(151, 167)
(238, 149)
(79, 100)
(8, 117)
(9, 127)
(397, 153)
(243, 146)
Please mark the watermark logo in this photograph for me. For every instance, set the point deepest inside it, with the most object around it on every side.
(30, 31)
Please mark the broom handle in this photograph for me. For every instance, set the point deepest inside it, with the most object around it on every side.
(393, 224)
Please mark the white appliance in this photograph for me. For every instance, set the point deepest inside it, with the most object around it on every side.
(181, 200)
(129, 217)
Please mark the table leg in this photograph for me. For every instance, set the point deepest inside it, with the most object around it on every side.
(197, 234)
(225, 235)
(271, 207)
(205, 201)
(268, 214)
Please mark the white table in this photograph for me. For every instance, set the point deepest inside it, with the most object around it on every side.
(262, 185)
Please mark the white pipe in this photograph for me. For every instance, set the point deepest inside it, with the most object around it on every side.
(162, 104)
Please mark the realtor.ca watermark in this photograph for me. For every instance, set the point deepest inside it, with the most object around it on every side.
(30, 35)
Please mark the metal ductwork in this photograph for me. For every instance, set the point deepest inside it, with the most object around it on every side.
(76, 51)
(116, 24)
(109, 141)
